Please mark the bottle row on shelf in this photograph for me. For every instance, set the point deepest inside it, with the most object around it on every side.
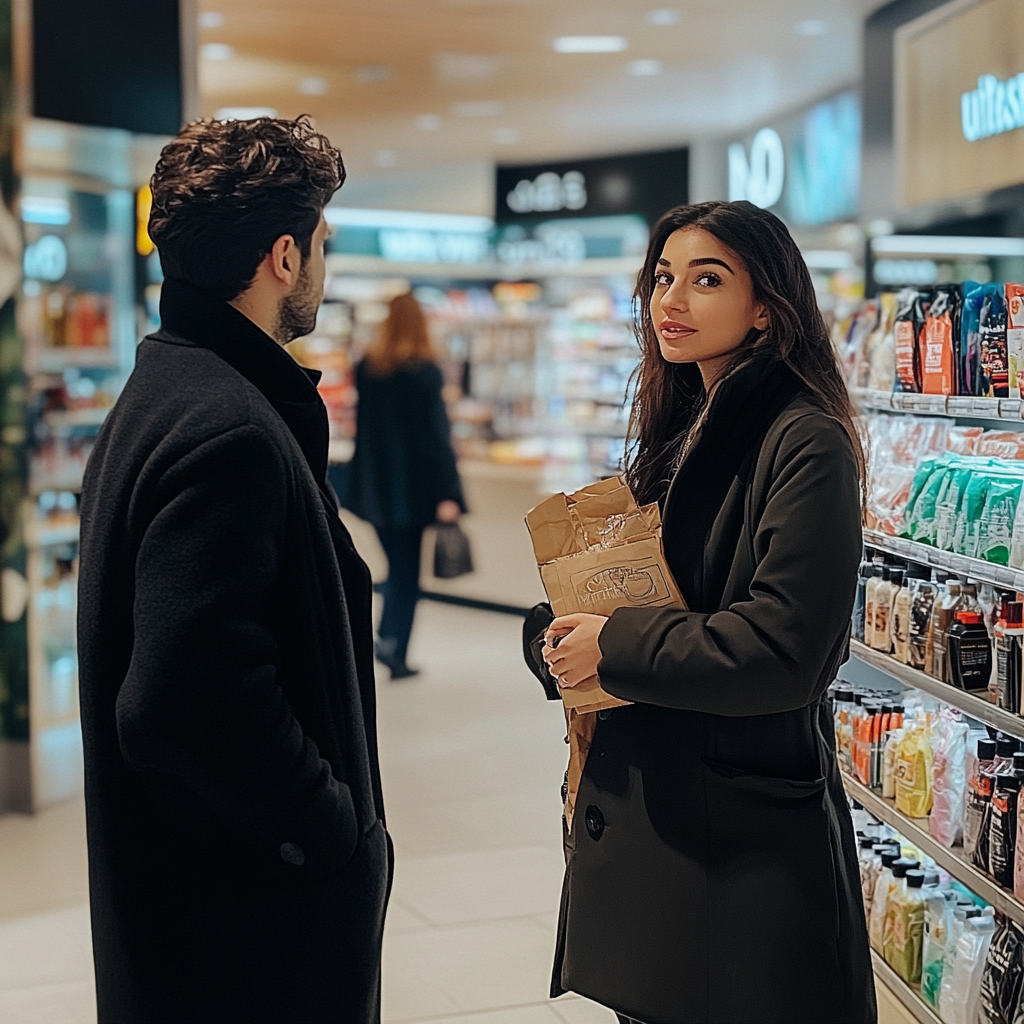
(958, 959)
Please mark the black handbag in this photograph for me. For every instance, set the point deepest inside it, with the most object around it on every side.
(452, 555)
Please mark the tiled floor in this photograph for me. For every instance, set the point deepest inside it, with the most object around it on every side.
(472, 757)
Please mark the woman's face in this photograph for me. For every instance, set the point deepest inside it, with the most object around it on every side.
(703, 304)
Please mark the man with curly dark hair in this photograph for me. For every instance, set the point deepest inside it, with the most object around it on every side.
(238, 860)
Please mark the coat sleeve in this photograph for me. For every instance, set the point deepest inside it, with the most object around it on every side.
(201, 701)
(432, 439)
(766, 653)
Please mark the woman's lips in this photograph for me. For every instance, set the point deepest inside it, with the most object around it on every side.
(672, 331)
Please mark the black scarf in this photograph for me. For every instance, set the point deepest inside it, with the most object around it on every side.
(724, 450)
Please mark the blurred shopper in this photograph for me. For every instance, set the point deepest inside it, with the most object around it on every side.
(239, 866)
(712, 868)
(403, 474)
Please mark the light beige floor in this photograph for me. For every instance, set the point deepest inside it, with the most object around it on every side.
(472, 757)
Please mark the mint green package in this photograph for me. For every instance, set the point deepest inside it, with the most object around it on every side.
(995, 528)
(948, 506)
(968, 517)
(920, 519)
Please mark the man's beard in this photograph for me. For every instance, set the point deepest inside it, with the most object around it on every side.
(296, 316)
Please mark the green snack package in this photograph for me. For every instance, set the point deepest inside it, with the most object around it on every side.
(995, 527)
(921, 522)
(948, 504)
(968, 517)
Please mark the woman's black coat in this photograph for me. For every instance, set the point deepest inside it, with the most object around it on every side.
(238, 862)
(712, 871)
(403, 465)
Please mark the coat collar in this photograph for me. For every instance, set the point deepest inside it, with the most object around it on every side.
(189, 314)
(724, 451)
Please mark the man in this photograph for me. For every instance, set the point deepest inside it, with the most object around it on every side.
(239, 866)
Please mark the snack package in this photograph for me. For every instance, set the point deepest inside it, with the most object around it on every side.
(969, 371)
(936, 933)
(995, 526)
(999, 996)
(936, 358)
(947, 505)
(907, 329)
(921, 522)
(964, 440)
(853, 350)
(949, 777)
(968, 518)
(1014, 296)
(881, 346)
(1017, 538)
(995, 366)
(1001, 444)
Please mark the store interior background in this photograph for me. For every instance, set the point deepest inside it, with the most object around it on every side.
(506, 159)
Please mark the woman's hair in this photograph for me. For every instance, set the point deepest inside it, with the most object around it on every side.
(669, 396)
(403, 338)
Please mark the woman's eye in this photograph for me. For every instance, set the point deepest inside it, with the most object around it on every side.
(663, 279)
(708, 280)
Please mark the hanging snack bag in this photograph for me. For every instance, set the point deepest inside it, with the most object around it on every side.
(995, 527)
(995, 366)
(881, 343)
(949, 777)
(969, 372)
(947, 506)
(919, 518)
(1014, 296)
(964, 440)
(936, 345)
(907, 330)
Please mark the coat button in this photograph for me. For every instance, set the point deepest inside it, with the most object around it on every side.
(595, 822)
(291, 853)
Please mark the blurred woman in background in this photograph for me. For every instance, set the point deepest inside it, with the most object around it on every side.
(403, 472)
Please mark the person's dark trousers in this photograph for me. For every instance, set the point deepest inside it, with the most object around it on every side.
(402, 590)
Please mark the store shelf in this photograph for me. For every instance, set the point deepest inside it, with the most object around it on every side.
(961, 565)
(906, 994)
(1008, 410)
(969, 703)
(977, 881)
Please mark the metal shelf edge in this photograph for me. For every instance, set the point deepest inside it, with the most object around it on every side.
(977, 708)
(908, 998)
(974, 879)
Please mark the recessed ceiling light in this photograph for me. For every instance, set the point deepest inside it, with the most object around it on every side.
(590, 44)
(428, 122)
(812, 27)
(385, 158)
(211, 19)
(477, 108)
(505, 136)
(218, 51)
(243, 113)
(643, 68)
(373, 73)
(662, 16)
(312, 86)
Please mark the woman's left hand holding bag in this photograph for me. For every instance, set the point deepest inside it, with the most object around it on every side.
(571, 647)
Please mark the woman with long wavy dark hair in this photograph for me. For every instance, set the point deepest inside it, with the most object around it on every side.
(712, 872)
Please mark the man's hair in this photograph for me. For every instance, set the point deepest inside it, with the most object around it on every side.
(225, 191)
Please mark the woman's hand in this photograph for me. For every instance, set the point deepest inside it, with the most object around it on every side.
(448, 511)
(575, 659)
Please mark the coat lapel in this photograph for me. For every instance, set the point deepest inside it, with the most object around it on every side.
(723, 453)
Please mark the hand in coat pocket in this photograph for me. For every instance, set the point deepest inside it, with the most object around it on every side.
(571, 648)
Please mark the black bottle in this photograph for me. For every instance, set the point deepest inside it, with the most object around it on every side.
(969, 652)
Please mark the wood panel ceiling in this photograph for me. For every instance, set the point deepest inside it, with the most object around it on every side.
(413, 84)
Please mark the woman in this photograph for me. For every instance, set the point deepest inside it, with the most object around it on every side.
(403, 475)
(712, 873)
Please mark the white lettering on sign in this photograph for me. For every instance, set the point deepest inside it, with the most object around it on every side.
(549, 192)
(761, 180)
(993, 108)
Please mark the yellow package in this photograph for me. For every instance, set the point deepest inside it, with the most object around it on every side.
(914, 772)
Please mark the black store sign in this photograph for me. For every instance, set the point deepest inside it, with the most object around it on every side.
(648, 184)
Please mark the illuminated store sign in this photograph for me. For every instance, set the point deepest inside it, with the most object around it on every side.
(993, 108)
(548, 193)
(805, 168)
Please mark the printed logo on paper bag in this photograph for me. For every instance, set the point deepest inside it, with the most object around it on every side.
(637, 585)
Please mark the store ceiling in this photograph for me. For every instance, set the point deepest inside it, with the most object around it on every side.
(415, 86)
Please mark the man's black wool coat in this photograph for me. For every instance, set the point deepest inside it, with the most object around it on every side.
(238, 862)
